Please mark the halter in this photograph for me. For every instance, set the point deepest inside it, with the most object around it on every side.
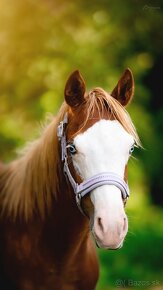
(80, 190)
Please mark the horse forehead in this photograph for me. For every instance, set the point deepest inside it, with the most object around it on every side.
(104, 132)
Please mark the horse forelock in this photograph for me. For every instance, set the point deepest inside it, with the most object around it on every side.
(100, 105)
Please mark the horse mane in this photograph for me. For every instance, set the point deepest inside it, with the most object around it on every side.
(32, 181)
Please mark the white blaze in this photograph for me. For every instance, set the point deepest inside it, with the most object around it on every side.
(104, 147)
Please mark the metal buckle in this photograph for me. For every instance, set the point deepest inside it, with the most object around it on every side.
(61, 127)
(60, 130)
(78, 199)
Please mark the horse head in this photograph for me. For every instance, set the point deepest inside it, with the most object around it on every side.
(100, 138)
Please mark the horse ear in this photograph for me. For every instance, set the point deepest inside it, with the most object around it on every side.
(124, 90)
(75, 89)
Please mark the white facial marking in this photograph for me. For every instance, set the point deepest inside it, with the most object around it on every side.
(104, 147)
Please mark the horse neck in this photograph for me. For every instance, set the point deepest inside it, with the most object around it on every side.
(66, 222)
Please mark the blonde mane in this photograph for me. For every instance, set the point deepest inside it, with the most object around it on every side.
(31, 182)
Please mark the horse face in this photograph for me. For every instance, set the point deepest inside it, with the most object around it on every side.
(103, 145)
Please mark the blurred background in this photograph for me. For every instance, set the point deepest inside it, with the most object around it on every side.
(41, 43)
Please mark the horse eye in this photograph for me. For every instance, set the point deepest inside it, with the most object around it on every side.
(72, 149)
(132, 149)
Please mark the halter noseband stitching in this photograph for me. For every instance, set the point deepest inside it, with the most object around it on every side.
(106, 178)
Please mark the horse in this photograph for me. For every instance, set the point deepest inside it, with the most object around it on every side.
(66, 186)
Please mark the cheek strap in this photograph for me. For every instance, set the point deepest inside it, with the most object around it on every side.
(106, 178)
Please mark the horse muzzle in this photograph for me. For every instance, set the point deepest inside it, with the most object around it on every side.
(109, 234)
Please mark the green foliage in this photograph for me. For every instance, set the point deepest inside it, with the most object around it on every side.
(41, 42)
